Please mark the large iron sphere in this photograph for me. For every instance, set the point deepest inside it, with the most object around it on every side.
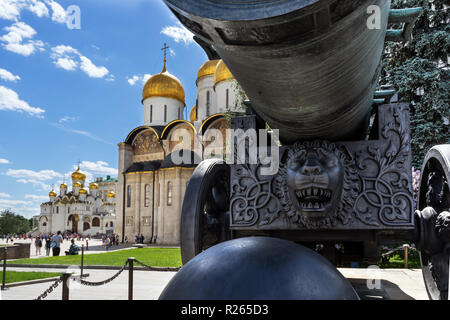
(259, 268)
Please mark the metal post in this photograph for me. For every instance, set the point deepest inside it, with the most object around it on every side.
(65, 288)
(82, 259)
(5, 250)
(406, 255)
(130, 278)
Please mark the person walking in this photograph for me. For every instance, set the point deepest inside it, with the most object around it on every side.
(38, 245)
(57, 239)
(48, 243)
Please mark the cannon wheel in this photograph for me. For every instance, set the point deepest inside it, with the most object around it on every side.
(435, 267)
(205, 216)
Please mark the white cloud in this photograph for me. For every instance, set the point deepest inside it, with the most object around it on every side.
(70, 59)
(39, 179)
(66, 128)
(11, 9)
(67, 119)
(9, 100)
(99, 167)
(66, 64)
(91, 69)
(21, 207)
(59, 13)
(38, 8)
(179, 33)
(42, 175)
(14, 40)
(4, 161)
(4, 195)
(138, 78)
(34, 197)
(8, 76)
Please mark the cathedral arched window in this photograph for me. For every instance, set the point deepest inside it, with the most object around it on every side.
(147, 195)
(169, 193)
(57, 209)
(96, 222)
(227, 98)
(208, 103)
(165, 113)
(129, 196)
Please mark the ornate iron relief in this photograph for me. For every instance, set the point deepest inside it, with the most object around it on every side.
(340, 185)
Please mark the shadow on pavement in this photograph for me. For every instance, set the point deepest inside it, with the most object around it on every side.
(365, 293)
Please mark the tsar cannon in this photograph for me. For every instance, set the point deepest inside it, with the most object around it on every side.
(343, 158)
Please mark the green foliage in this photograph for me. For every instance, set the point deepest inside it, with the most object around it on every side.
(12, 223)
(419, 71)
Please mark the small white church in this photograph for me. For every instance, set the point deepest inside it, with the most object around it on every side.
(84, 211)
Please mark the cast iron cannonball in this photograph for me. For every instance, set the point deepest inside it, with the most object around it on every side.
(259, 268)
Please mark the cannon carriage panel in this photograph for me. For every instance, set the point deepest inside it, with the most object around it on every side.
(348, 185)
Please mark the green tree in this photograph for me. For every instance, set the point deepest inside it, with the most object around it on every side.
(12, 223)
(419, 71)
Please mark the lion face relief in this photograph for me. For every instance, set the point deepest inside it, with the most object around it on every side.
(315, 181)
(312, 180)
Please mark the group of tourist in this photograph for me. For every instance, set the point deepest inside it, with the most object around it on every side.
(52, 242)
(11, 237)
(109, 241)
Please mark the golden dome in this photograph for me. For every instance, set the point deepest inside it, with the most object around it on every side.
(193, 114)
(52, 193)
(83, 191)
(78, 175)
(111, 194)
(93, 185)
(63, 185)
(222, 73)
(77, 185)
(163, 85)
(207, 69)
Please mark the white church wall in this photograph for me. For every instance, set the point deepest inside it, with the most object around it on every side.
(154, 114)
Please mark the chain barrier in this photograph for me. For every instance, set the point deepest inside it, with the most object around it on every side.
(49, 290)
(100, 283)
(144, 265)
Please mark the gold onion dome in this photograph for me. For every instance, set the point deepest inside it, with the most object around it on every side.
(77, 185)
(78, 175)
(193, 114)
(111, 194)
(222, 73)
(63, 185)
(93, 185)
(165, 85)
(83, 191)
(52, 193)
(207, 69)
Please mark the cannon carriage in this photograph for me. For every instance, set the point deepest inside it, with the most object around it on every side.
(341, 148)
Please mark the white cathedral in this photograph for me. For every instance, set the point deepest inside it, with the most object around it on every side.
(151, 187)
(83, 211)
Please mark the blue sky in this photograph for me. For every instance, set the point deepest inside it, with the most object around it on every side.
(69, 95)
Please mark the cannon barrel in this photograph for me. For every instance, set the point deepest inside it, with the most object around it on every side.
(309, 67)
